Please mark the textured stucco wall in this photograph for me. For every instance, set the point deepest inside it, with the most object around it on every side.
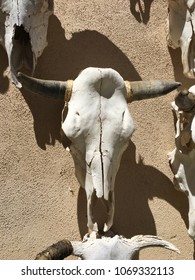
(40, 200)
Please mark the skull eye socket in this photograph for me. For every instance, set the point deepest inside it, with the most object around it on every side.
(21, 35)
(22, 55)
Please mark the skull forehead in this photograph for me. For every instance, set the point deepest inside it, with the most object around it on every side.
(24, 7)
(98, 101)
(7, 5)
(106, 248)
(102, 80)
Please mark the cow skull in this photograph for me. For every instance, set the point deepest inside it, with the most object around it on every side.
(23, 32)
(180, 32)
(99, 126)
(182, 158)
(104, 248)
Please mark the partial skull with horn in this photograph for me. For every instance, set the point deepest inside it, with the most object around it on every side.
(99, 126)
(105, 248)
(180, 32)
(23, 32)
(182, 158)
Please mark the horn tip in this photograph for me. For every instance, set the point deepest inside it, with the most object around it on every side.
(170, 86)
(174, 84)
(178, 84)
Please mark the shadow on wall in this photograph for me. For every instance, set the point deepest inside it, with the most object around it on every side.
(175, 55)
(63, 59)
(136, 184)
(140, 9)
(194, 251)
(4, 81)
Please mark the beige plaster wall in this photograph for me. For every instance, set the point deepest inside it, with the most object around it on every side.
(40, 200)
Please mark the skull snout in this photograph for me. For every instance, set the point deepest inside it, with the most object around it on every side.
(102, 173)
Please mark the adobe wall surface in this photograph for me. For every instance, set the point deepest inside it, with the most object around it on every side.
(40, 200)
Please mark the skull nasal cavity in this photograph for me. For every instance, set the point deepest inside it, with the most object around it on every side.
(21, 35)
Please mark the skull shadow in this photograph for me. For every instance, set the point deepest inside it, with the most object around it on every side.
(140, 9)
(84, 49)
(136, 184)
(175, 55)
(4, 81)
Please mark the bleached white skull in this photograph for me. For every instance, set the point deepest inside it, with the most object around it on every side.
(23, 32)
(182, 158)
(180, 32)
(105, 248)
(99, 125)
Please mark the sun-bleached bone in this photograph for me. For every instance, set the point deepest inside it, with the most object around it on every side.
(98, 125)
(99, 134)
(180, 32)
(23, 32)
(182, 158)
(104, 248)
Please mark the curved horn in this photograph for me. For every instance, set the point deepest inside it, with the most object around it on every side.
(57, 251)
(140, 241)
(48, 88)
(149, 89)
